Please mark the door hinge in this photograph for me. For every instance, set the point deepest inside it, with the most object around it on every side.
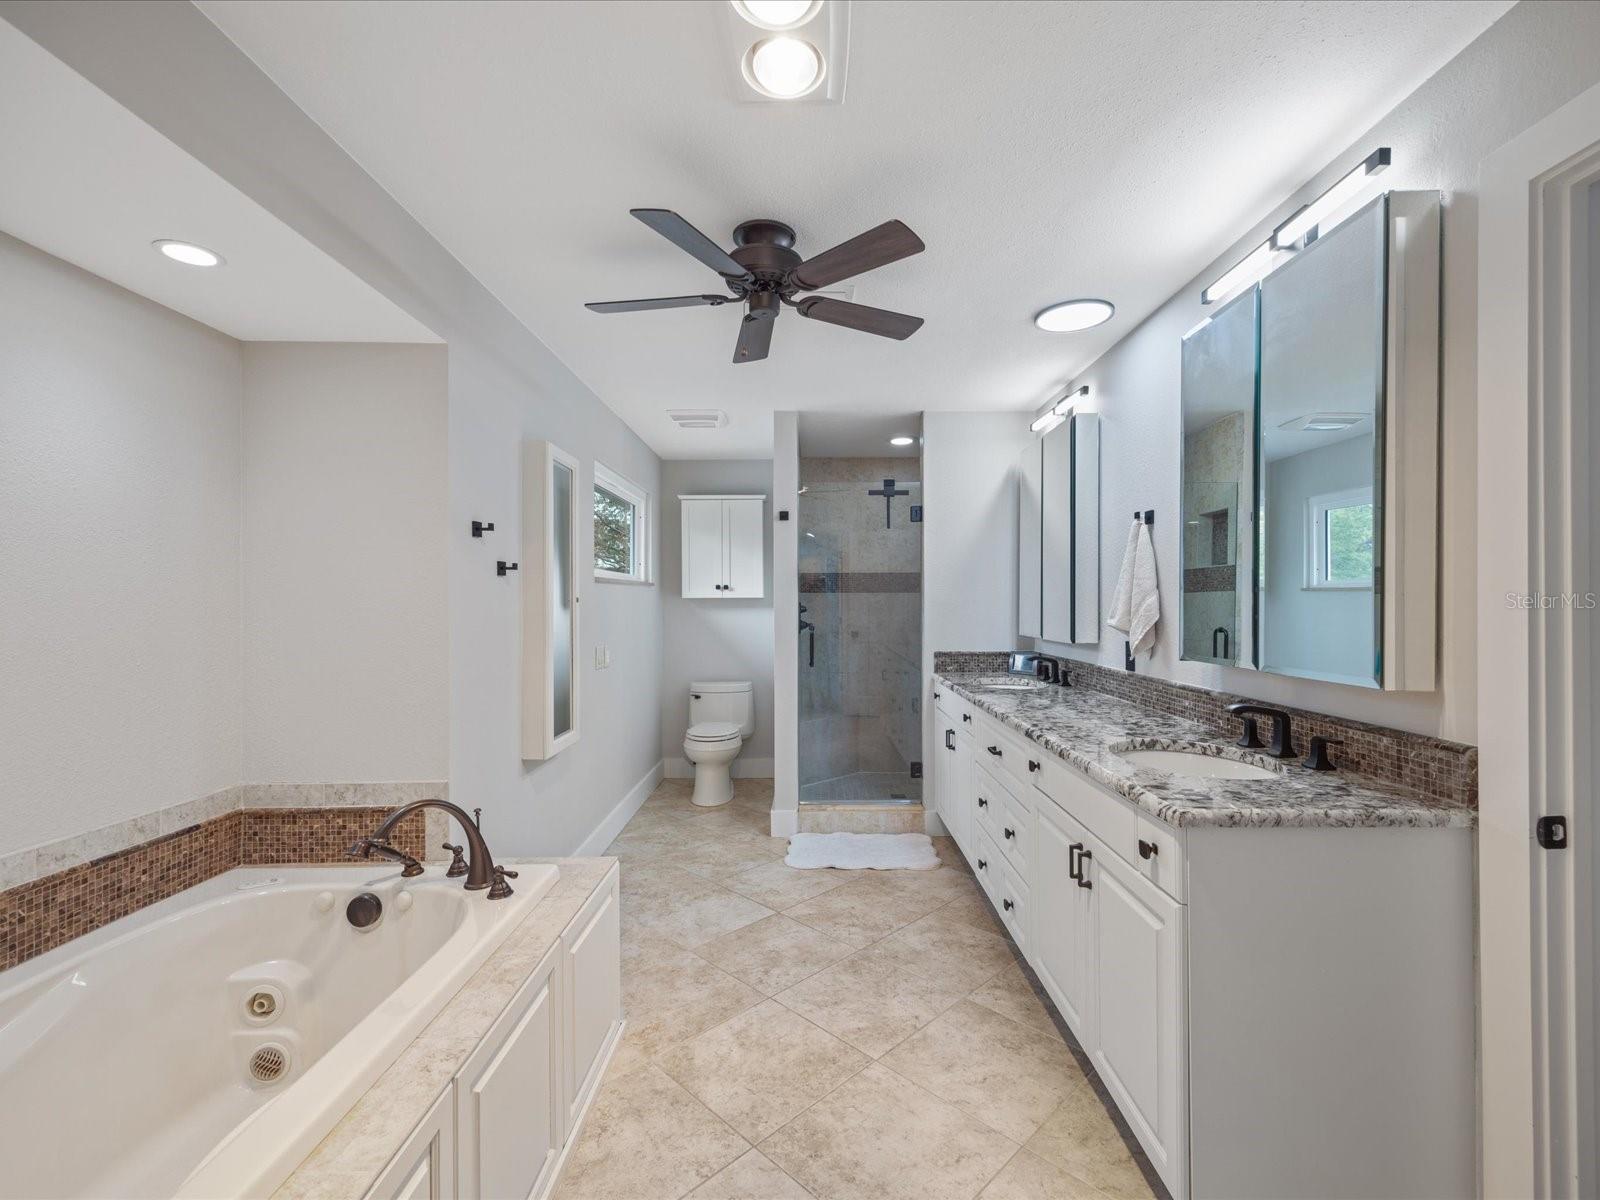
(1551, 832)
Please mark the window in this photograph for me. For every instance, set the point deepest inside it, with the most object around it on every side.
(621, 528)
(1340, 539)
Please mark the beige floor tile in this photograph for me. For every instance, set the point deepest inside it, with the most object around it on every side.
(753, 1177)
(694, 920)
(647, 1139)
(1008, 1077)
(762, 1068)
(721, 855)
(879, 1137)
(670, 997)
(973, 908)
(948, 950)
(1013, 994)
(774, 953)
(780, 886)
(1029, 1177)
(1081, 1138)
(950, 854)
(940, 884)
(870, 1001)
(861, 912)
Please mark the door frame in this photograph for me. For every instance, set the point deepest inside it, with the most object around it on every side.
(1531, 325)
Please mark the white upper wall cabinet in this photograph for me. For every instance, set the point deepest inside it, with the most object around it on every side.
(724, 547)
(549, 574)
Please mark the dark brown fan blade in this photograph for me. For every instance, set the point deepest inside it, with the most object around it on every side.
(690, 240)
(860, 316)
(755, 339)
(889, 242)
(608, 306)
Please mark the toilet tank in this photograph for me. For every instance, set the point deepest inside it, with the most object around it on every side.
(723, 700)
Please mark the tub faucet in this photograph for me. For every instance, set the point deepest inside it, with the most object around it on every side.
(481, 871)
(368, 846)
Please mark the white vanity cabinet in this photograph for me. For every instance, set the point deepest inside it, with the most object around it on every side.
(1277, 1012)
(424, 1168)
(724, 547)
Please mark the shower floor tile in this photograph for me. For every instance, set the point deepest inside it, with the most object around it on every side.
(864, 787)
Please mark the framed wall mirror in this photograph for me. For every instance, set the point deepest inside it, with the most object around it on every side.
(1310, 459)
(549, 575)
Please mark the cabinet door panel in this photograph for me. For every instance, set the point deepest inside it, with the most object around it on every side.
(1061, 917)
(424, 1168)
(703, 550)
(745, 529)
(594, 995)
(1138, 1045)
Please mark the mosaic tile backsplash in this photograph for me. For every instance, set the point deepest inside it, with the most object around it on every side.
(1430, 766)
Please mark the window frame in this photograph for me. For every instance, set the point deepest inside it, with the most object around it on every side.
(1317, 509)
(628, 491)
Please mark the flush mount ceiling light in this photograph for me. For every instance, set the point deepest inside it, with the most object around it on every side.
(783, 67)
(188, 253)
(777, 14)
(1072, 315)
(1312, 215)
(901, 441)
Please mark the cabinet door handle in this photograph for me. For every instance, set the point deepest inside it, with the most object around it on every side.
(1083, 876)
(1011, 833)
(994, 750)
(1073, 866)
(982, 803)
(1007, 905)
(949, 739)
(1033, 764)
(1148, 849)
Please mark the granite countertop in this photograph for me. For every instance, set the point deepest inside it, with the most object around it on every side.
(347, 1161)
(1086, 729)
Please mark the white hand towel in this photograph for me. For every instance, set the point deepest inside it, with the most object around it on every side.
(1145, 598)
(1120, 617)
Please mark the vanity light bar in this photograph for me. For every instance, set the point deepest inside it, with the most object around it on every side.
(1046, 421)
(1064, 405)
(1242, 274)
(1331, 201)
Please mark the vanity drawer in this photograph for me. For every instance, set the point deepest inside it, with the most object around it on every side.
(1014, 756)
(1015, 834)
(958, 710)
(988, 866)
(1012, 905)
(1110, 818)
(988, 798)
(1159, 855)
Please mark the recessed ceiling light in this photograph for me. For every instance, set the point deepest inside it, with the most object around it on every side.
(900, 441)
(777, 14)
(784, 68)
(1072, 315)
(188, 253)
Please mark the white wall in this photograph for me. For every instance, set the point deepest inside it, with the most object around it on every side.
(120, 470)
(1530, 62)
(346, 637)
(713, 639)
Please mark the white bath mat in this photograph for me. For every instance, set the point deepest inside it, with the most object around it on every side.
(862, 851)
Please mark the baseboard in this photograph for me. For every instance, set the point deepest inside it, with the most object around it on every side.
(743, 768)
(785, 822)
(606, 832)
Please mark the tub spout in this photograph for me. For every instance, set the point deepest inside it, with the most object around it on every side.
(368, 846)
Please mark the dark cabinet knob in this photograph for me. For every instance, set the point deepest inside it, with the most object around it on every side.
(1011, 833)
(936, 696)
(1033, 764)
(995, 750)
(982, 803)
(983, 864)
(1007, 905)
(966, 717)
(1148, 849)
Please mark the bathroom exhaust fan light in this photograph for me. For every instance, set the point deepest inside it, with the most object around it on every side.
(1331, 201)
(188, 253)
(1242, 274)
(783, 67)
(1323, 422)
(777, 15)
(1072, 315)
(901, 441)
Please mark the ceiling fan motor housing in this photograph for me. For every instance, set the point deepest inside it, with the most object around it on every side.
(765, 248)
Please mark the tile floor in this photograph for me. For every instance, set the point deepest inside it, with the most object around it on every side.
(833, 1035)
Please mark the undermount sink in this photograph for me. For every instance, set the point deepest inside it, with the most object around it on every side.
(1003, 684)
(1196, 764)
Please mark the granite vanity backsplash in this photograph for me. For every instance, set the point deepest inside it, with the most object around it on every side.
(1441, 773)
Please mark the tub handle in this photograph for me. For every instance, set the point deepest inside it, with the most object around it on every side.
(458, 862)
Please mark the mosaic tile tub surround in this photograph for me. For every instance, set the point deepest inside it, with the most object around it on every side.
(1436, 769)
(64, 890)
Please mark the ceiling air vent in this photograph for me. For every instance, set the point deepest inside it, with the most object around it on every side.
(698, 418)
(1324, 422)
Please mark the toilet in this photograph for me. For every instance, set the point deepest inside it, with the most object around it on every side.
(721, 716)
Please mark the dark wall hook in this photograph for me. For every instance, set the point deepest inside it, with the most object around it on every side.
(479, 528)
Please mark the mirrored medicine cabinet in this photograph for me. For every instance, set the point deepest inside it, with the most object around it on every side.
(1310, 450)
(1058, 550)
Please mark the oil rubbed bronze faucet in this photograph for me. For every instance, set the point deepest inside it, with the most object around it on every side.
(481, 871)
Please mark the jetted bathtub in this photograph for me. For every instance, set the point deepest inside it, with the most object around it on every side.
(204, 1045)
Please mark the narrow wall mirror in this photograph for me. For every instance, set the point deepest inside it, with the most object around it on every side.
(1058, 552)
(549, 574)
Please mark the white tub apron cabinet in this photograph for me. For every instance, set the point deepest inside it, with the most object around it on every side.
(1278, 1011)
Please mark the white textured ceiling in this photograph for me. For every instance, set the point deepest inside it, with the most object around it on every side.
(1042, 151)
(87, 181)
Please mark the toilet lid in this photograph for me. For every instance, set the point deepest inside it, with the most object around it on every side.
(713, 731)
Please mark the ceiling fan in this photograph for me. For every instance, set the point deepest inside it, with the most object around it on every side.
(764, 272)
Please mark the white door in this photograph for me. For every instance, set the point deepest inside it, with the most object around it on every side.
(1137, 1045)
(1539, 656)
(704, 553)
(1062, 921)
(744, 531)
(1029, 533)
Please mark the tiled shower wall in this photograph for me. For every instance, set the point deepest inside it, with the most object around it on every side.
(861, 585)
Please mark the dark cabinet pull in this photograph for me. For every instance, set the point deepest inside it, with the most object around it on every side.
(1083, 875)
(1073, 866)
(982, 803)
(966, 716)
(983, 864)
(1148, 849)
(1008, 905)
(1033, 764)
(995, 750)
(949, 739)
(936, 696)
(1011, 833)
